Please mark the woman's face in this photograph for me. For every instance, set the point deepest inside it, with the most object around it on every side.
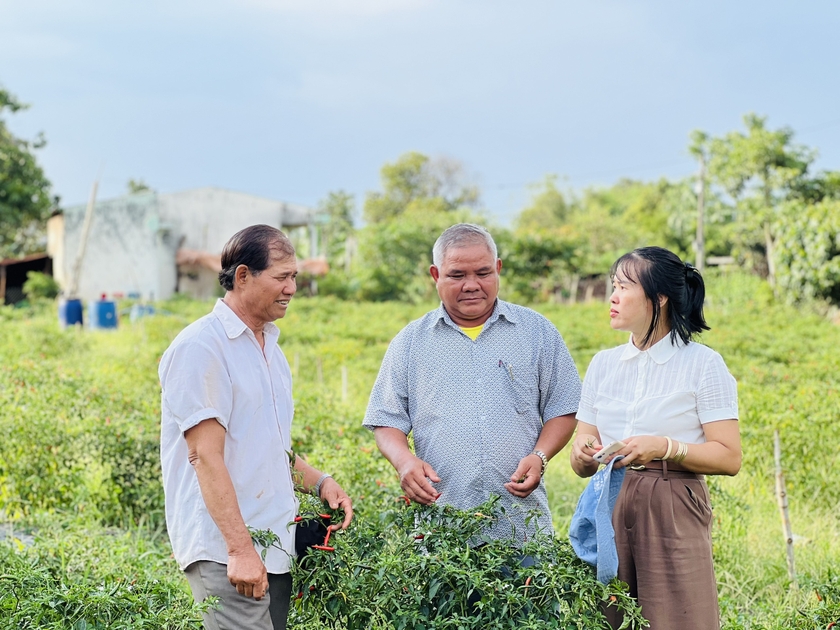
(630, 310)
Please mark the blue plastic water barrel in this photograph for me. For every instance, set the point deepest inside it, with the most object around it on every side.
(103, 314)
(70, 313)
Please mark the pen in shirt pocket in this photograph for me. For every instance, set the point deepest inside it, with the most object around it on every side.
(509, 367)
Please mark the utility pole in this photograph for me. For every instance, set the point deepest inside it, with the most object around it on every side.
(699, 239)
(80, 255)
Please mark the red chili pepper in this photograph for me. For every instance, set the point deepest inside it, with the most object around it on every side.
(419, 537)
(405, 498)
(325, 546)
(326, 517)
(298, 519)
(528, 581)
(300, 594)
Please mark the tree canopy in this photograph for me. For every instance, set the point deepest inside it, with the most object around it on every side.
(25, 198)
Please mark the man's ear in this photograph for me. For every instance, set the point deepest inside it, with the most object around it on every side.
(435, 272)
(240, 276)
(498, 265)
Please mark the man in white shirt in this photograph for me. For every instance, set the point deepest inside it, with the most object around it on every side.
(226, 407)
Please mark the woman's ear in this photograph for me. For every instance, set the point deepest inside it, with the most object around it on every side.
(663, 300)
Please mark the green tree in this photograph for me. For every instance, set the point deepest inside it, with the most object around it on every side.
(338, 211)
(549, 207)
(808, 250)
(415, 177)
(395, 255)
(420, 198)
(25, 200)
(137, 186)
(339, 243)
(759, 169)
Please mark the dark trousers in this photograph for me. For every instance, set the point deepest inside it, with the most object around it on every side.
(663, 524)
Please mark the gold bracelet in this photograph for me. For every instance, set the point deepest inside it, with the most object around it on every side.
(668, 450)
(682, 451)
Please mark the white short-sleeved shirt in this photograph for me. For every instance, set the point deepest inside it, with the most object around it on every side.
(215, 369)
(668, 390)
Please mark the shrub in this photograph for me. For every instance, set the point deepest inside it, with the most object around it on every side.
(39, 286)
(418, 567)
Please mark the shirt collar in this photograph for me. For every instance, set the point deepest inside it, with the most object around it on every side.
(500, 309)
(661, 352)
(234, 326)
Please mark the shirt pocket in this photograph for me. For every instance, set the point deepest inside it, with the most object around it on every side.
(523, 383)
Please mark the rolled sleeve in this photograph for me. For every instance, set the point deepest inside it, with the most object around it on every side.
(388, 404)
(196, 386)
(717, 392)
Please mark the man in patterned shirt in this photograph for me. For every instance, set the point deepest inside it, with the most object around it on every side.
(488, 388)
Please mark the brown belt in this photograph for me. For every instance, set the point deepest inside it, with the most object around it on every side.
(665, 468)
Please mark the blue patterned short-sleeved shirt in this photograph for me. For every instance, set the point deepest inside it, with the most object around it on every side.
(477, 407)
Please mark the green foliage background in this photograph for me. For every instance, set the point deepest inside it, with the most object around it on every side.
(79, 463)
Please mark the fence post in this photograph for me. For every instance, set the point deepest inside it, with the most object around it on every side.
(781, 496)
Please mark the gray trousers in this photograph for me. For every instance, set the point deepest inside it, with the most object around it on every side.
(663, 537)
(235, 611)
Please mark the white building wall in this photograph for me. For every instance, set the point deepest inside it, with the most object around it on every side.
(207, 217)
(133, 239)
(123, 251)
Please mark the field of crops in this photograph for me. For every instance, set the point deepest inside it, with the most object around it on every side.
(81, 503)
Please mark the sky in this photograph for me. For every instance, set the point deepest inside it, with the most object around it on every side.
(292, 99)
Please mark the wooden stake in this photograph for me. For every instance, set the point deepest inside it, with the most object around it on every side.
(781, 496)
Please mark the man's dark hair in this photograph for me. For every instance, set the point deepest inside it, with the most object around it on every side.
(661, 272)
(254, 247)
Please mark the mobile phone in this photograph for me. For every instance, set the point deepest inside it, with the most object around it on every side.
(608, 450)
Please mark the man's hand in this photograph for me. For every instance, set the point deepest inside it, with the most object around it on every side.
(247, 573)
(526, 478)
(414, 480)
(335, 496)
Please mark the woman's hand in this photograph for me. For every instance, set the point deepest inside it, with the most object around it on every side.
(587, 442)
(640, 449)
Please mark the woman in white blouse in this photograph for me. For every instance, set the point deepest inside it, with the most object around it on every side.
(674, 406)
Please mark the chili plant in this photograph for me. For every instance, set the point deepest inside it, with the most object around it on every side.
(420, 567)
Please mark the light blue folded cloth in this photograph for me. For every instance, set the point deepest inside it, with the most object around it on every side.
(591, 532)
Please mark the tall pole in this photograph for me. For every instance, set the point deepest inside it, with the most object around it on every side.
(80, 255)
(699, 239)
(782, 498)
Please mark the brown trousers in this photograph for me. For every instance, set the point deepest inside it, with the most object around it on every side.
(663, 523)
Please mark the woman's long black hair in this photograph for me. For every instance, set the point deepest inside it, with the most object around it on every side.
(661, 273)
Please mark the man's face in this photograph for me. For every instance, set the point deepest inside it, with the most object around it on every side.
(468, 283)
(266, 295)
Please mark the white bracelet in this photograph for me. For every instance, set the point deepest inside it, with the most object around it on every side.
(668, 450)
(317, 488)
